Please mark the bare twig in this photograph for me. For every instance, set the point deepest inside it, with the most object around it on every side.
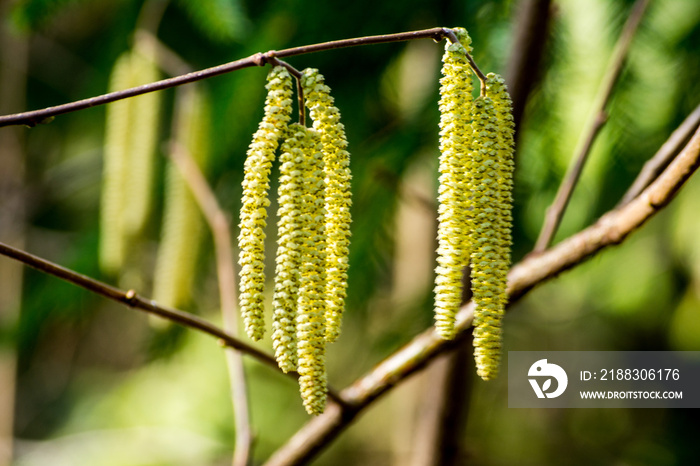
(555, 212)
(35, 117)
(219, 226)
(609, 230)
(131, 299)
(663, 156)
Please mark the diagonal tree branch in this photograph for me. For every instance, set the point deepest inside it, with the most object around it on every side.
(555, 212)
(610, 229)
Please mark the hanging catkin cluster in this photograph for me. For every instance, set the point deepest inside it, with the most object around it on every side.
(313, 231)
(476, 168)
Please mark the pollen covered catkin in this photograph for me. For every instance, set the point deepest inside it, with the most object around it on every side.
(493, 161)
(311, 302)
(491, 167)
(287, 273)
(338, 199)
(453, 214)
(251, 240)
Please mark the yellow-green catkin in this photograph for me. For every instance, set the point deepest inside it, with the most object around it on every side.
(251, 240)
(491, 166)
(183, 227)
(143, 140)
(497, 90)
(287, 272)
(112, 249)
(311, 302)
(453, 211)
(338, 199)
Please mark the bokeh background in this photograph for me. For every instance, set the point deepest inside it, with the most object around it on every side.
(84, 381)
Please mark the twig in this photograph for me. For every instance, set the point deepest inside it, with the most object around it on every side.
(452, 37)
(219, 226)
(663, 156)
(555, 212)
(35, 117)
(131, 299)
(609, 230)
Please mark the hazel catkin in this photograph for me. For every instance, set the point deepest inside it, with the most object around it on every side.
(338, 199)
(287, 273)
(114, 171)
(453, 211)
(311, 315)
(493, 161)
(251, 240)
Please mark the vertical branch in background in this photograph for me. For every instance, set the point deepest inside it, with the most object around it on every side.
(443, 416)
(529, 40)
(13, 70)
(555, 212)
(219, 225)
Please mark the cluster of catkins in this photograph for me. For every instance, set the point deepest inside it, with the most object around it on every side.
(313, 229)
(475, 203)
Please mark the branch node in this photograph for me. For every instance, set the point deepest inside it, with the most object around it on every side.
(450, 35)
(131, 298)
(259, 59)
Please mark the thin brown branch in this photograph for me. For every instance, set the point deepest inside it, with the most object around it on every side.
(609, 230)
(131, 299)
(219, 226)
(655, 165)
(45, 115)
(555, 212)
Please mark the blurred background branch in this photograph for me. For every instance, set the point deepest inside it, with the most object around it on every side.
(598, 117)
(219, 225)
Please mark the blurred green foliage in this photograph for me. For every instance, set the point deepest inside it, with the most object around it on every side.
(97, 385)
